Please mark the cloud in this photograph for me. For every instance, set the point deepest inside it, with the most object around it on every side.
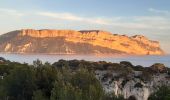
(74, 17)
(159, 11)
(133, 22)
(11, 12)
(156, 22)
(64, 16)
(153, 22)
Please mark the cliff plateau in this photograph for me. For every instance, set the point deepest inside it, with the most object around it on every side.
(76, 42)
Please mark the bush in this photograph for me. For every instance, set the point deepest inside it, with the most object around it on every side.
(126, 64)
(158, 67)
(20, 83)
(79, 86)
(163, 93)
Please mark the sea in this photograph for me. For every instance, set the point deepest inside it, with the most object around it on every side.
(145, 61)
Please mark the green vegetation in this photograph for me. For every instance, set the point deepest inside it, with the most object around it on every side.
(65, 80)
(163, 93)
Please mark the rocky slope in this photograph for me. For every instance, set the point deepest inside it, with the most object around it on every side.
(133, 87)
(76, 42)
(139, 84)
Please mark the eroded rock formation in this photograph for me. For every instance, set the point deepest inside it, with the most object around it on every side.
(76, 42)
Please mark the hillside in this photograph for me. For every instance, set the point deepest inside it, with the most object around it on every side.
(84, 80)
(76, 42)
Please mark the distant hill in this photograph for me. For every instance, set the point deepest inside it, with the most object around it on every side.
(76, 42)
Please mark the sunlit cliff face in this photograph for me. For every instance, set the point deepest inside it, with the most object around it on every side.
(137, 44)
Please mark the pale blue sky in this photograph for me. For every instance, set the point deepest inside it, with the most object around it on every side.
(146, 17)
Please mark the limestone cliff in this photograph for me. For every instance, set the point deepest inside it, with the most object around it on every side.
(133, 86)
(76, 42)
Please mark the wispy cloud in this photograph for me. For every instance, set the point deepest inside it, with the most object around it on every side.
(74, 17)
(153, 22)
(159, 11)
(158, 22)
(133, 22)
(10, 12)
(64, 16)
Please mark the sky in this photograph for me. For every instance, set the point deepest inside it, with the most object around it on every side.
(150, 18)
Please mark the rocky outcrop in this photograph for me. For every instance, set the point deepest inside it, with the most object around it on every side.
(76, 42)
(133, 86)
(158, 67)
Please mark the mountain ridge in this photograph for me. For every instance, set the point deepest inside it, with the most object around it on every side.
(76, 42)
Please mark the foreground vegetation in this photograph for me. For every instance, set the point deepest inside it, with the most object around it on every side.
(62, 80)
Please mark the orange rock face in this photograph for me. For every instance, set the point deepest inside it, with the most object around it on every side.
(138, 45)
